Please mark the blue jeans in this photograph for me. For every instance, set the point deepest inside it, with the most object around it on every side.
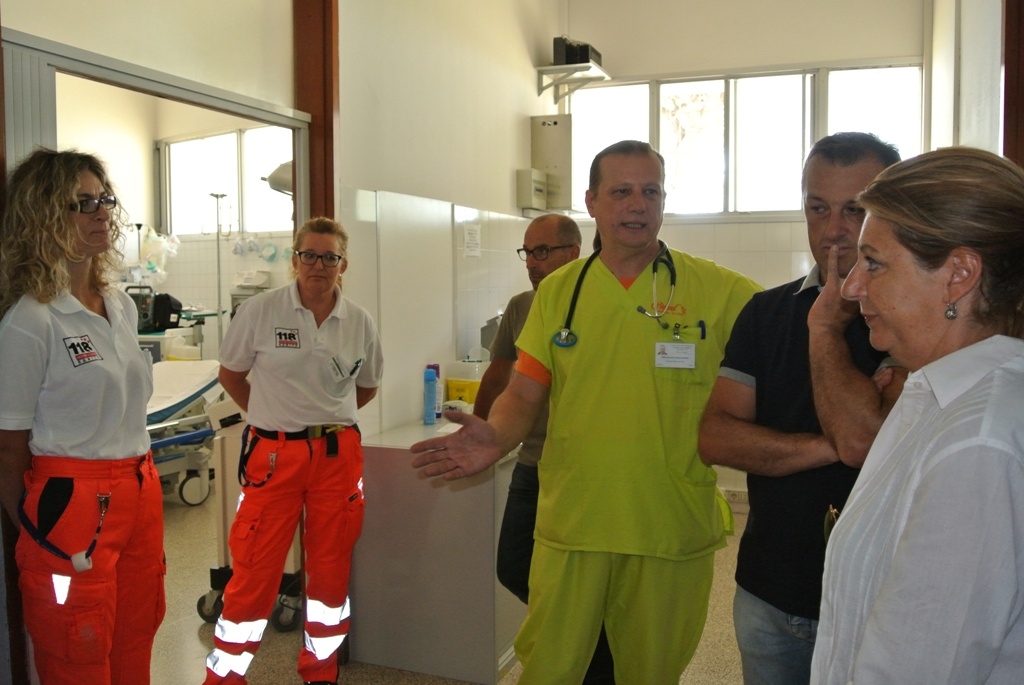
(515, 552)
(775, 647)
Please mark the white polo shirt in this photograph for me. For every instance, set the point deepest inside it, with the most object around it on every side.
(79, 382)
(302, 375)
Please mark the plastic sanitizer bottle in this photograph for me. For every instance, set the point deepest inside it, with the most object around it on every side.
(429, 395)
(440, 390)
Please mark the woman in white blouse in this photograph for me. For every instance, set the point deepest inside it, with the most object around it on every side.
(924, 575)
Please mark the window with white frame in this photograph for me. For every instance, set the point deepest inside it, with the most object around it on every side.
(738, 144)
(219, 182)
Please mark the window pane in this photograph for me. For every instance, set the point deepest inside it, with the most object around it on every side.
(200, 169)
(886, 102)
(263, 150)
(769, 142)
(600, 117)
(692, 127)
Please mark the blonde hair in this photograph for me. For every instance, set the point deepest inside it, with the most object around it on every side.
(323, 226)
(38, 237)
(961, 197)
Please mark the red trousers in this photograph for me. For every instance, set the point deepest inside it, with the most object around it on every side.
(94, 627)
(330, 490)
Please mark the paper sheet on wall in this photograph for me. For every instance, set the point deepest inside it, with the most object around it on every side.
(471, 237)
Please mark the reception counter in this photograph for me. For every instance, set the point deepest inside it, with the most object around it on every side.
(424, 593)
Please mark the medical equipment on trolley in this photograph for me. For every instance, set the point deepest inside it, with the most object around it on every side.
(566, 338)
(179, 428)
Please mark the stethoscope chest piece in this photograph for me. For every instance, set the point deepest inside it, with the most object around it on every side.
(564, 338)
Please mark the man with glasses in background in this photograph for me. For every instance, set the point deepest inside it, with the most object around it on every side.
(550, 241)
(796, 408)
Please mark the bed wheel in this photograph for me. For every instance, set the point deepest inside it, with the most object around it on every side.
(209, 607)
(285, 616)
(193, 491)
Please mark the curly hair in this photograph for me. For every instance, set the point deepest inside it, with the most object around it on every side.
(38, 237)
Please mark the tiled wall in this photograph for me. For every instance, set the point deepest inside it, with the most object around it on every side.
(770, 252)
(484, 284)
(192, 274)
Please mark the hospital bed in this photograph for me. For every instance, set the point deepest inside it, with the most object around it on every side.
(179, 428)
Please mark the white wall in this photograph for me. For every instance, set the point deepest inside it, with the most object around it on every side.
(436, 96)
(416, 287)
(243, 46)
(945, 78)
(648, 38)
(117, 125)
(966, 78)
(980, 70)
(484, 284)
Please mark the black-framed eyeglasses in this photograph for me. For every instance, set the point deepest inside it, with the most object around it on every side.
(831, 517)
(92, 205)
(329, 259)
(540, 253)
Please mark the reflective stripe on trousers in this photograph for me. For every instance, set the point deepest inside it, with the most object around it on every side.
(94, 627)
(327, 490)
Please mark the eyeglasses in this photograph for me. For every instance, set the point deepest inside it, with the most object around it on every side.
(540, 253)
(329, 259)
(92, 205)
(831, 517)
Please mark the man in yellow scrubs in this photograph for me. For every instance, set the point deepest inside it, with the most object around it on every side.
(624, 347)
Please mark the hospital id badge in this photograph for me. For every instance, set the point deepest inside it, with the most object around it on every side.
(675, 355)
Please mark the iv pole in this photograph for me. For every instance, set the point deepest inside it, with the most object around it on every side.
(220, 294)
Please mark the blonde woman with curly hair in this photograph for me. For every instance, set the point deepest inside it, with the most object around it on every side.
(76, 473)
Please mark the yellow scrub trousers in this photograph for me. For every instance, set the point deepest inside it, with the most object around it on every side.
(653, 610)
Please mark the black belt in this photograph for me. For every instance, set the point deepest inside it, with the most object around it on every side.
(309, 433)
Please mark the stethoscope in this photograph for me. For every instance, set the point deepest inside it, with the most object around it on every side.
(566, 338)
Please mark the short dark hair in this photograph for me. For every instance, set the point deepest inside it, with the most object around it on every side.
(850, 147)
(623, 147)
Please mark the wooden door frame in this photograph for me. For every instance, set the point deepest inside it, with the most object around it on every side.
(315, 35)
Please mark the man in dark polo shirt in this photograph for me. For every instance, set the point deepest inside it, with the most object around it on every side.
(795, 407)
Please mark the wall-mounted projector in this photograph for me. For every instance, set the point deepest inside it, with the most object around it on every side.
(569, 51)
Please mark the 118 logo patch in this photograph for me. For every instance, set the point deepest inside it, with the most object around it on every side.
(81, 350)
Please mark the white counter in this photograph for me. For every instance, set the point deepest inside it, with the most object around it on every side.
(425, 597)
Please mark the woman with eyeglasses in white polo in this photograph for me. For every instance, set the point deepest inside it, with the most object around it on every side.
(76, 473)
(300, 359)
